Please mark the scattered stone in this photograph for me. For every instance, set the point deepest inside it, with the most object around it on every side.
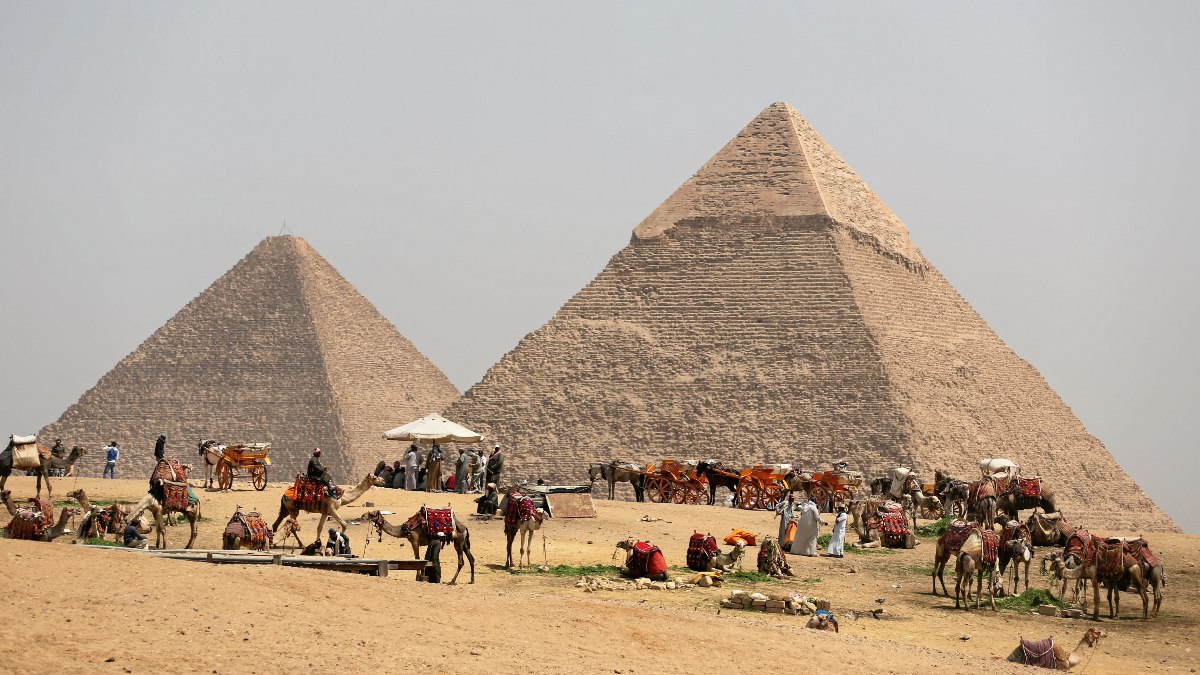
(1048, 610)
(964, 638)
(110, 659)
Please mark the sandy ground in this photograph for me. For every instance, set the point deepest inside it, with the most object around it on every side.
(100, 611)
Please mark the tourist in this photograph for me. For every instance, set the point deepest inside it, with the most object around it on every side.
(160, 447)
(433, 470)
(316, 471)
(495, 462)
(412, 462)
(837, 540)
(133, 538)
(460, 473)
(808, 526)
(338, 544)
(111, 454)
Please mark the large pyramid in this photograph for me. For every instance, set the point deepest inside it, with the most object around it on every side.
(281, 349)
(774, 309)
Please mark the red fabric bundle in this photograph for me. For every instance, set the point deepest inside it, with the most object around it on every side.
(1111, 558)
(251, 527)
(309, 494)
(1029, 487)
(1081, 544)
(700, 550)
(1140, 550)
(991, 547)
(175, 496)
(1013, 529)
(893, 529)
(169, 469)
(440, 522)
(520, 508)
(954, 536)
(646, 560)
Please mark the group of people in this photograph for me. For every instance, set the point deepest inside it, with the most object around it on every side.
(800, 525)
(112, 454)
(472, 470)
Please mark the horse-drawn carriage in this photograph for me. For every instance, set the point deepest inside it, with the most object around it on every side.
(828, 488)
(675, 482)
(253, 458)
(762, 486)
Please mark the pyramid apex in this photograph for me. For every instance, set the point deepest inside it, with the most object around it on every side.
(778, 165)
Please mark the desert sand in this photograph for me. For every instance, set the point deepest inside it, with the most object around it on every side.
(112, 611)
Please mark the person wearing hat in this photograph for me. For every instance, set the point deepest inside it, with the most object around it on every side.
(339, 543)
(317, 471)
(58, 451)
(495, 463)
(111, 454)
(489, 503)
(160, 447)
(837, 540)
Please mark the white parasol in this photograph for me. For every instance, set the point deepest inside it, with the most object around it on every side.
(433, 428)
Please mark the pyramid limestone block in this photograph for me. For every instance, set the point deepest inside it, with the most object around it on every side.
(773, 309)
(280, 349)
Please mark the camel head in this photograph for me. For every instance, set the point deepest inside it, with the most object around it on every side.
(78, 451)
(627, 544)
(1093, 635)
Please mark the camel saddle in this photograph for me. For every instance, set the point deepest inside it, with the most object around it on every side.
(957, 533)
(169, 470)
(891, 507)
(33, 520)
(176, 496)
(700, 550)
(991, 547)
(252, 528)
(1082, 544)
(309, 494)
(1013, 530)
(981, 489)
(520, 508)
(645, 560)
(1039, 653)
(893, 529)
(1139, 550)
(438, 522)
(27, 454)
(1047, 523)
(1110, 556)
(1029, 487)
(769, 554)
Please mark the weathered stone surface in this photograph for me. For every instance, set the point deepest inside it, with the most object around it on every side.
(280, 349)
(774, 310)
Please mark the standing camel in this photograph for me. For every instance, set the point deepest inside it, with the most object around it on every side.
(1010, 501)
(979, 561)
(1046, 654)
(521, 517)
(41, 466)
(154, 502)
(327, 507)
(416, 531)
(1048, 529)
(960, 535)
(1115, 568)
(981, 502)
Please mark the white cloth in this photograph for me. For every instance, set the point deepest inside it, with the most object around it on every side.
(837, 540)
(807, 528)
(433, 428)
(411, 468)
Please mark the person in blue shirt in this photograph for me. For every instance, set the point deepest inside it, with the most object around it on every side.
(111, 454)
(133, 538)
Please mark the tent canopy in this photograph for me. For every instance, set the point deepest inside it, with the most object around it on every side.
(433, 428)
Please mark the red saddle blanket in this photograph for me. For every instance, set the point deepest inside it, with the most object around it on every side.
(645, 560)
(991, 547)
(440, 522)
(1038, 653)
(1013, 529)
(893, 529)
(954, 536)
(250, 527)
(891, 507)
(169, 469)
(33, 520)
(1139, 549)
(1029, 487)
(309, 494)
(700, 550)
(1081, 544)
(520, 508)
(175, 496)
(1110, 557)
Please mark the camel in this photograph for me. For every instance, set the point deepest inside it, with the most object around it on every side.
(1129, 573)
(155, 505)
(288, 508)
(728, 562)
(1009, 501)
(772, 561)
(981, 504)
(628, 545)
(1015, 547)
(48, 534)
(1048, 529)
(906, 484)
(970, 561)
(1156, 579)
(618, 472)
(1062, 660)
(524, 526)
(868, 537)
(1073, 568)
(231, 541)
(718, 476)
(950, 545)
(211, 451)
(418, 536)
(290, 528)
(118, 515)
(45, 462)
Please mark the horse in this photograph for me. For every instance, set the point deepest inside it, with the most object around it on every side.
(614, 473)
(718, 476)
(211, 452)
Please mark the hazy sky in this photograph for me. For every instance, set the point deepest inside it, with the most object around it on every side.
(485, 160)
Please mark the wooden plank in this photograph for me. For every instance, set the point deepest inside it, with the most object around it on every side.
(571, 505)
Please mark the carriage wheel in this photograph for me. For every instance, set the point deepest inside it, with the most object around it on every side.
(957, 508)
(658, 490)
(259, 474)
(771, 497)
(224, 476)
(695, 494)
(747, 495)
(820, 495)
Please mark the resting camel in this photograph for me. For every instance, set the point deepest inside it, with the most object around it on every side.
(118, 515)
(728, 562)
(154, 504)
(419, 536)
(1048, 529)
(288, 508)
(615, 472)
(867, 537)
(522, 526)
(947, 548)
(49, 534)
(1062, 659)
(970, 561)
(42, 468)
(1010, 501)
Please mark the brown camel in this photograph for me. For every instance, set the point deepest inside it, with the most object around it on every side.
(328, 508)
(981, 504)
(48, 534)
(246, 522)
(417, 534)
(1074, 568)
(1123, 574)
(523, 521)
(1015, 547)
(868, 537)
(971, 561)
(1009, 500)
(1062, 660)
(960, 535)
(41, 466)
(154, 504)
(290, 528)
(1048, 529)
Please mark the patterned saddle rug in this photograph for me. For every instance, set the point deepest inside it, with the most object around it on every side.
(1029, 487)
(176, 496)
(991, 548)
(954, 536)
(1110, 557)
(981, 489)
(250, 527)
(309, 494)
(520, 508)
(1081, 544)
(645, 560)
(438, 522)
(700, 550)
(893, 529)
(169, 470)
(1013, 530)
(1139, 550)
(1039, 653)
(769, 554)
(33, 520)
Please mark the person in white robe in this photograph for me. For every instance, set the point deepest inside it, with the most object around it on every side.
(807, 528)
(837, 540)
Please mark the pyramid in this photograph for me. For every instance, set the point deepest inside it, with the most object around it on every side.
(773, 309)
(280, 349)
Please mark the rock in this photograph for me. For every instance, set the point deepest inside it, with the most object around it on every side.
(671, 585)
(774, 610)
(964, 638)
(368, 505)
(758, 604)
(657, 585)
(778, 604)
(1048, 610)
(738, 594)
(758, 597)
(789, 611)
(807, 608)
(589, 541)
(853, 569)
(705, 582)
(880, 601)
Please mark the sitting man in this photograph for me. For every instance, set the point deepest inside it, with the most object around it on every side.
(317, 472)
(133, 538)
(338, 544)
(489, 503)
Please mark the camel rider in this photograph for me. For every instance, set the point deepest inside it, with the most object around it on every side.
(58, 451)
(339, 543)
(160, 447)
(317, 472)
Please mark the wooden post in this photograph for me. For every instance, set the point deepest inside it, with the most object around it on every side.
(210, 556)
(277, 559)
(383, 568)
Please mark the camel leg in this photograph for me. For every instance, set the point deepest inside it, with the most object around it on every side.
(526, 549)
(283, 513)
(1096, 599)
(193, 517)
(979, 586)
(458, 549)
(510, 535)
(160, 537)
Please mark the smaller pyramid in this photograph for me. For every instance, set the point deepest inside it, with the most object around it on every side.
(280, 349)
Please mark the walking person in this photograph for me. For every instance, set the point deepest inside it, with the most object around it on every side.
(786, 512)
(111, 454)
(837, 540)
(412, 464)
(160, 447)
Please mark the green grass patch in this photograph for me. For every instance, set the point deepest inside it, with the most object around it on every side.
(824, 539)
(852, 550)
(103, 503)
(578, 570)
(936, 528)
(923, 570)
(1029, 600)
(811, 580)
(94, 541)
(747, 576)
